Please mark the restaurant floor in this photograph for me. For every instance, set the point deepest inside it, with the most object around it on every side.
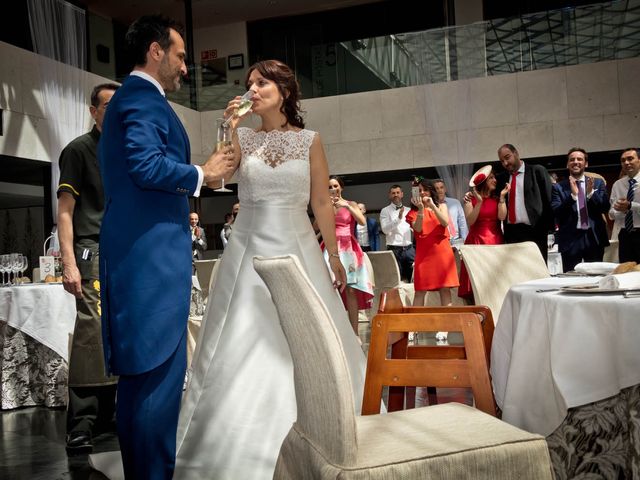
(32, 444)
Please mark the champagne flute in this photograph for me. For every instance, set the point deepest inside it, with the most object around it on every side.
(15, 263)
(246, 102)
(4, 268)
(24, 266)
(551, 240)
(223, 140)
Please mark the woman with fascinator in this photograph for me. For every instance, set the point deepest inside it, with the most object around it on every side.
(484, 209)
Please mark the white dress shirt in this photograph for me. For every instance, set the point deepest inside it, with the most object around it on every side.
(396, 229)
(362, 234)
(521, 210)
(582, 184)
(619, 192)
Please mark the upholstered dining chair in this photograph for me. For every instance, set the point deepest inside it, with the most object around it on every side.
(612, 252)
(328, 441)
(493, 269)
(205, 271)
(385, 269)
(387, 275)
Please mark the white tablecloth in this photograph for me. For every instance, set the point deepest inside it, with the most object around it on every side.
(45, 312)
(553, 351)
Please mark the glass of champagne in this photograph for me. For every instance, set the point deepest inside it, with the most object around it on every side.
(24, 265)
(223, 140)
(246, 102)
(551, 240)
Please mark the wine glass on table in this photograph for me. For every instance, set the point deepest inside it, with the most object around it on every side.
(223, 139)
(23, 266)
(551, 240)
(4, 268)
(15, 263)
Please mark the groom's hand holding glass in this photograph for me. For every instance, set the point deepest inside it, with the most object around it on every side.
(219, 165)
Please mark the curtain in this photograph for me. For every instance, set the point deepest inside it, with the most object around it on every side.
(58, 32)
(456, 178)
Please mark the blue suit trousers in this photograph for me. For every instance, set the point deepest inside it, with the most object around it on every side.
(148, 406)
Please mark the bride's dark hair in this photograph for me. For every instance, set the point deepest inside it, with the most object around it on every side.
(285, 79)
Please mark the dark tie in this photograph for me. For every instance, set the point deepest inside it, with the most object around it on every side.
(628, 218)
(512, 198)
(582, 206)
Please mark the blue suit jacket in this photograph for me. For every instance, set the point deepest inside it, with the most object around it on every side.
(565, 210)
(145, 244)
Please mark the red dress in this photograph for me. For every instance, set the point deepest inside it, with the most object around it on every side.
(435, 265)
(485, 231)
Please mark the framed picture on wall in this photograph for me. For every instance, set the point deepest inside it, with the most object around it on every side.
(235, 61)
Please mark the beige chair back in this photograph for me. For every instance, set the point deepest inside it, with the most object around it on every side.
(323, 388)
(385, 269)
(205, 272)
(611, 253)
(494, 269)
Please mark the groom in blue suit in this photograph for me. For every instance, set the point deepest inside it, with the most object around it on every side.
(579, 203)
(145, 258)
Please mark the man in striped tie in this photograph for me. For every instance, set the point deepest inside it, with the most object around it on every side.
(625, 204)
(578, 203)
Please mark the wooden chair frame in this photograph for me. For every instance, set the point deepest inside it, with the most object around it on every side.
(452, 366)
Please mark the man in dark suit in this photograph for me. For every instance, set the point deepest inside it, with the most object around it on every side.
(145, 258)
(198, 237)
(529, 215)
(368, 235)
(578, 204)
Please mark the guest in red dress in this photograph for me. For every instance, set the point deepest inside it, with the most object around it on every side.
(484, 209)
(435, 265)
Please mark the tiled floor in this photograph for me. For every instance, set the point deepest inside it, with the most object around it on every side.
(32, 445)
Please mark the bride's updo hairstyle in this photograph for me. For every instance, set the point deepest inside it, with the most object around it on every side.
(284, 78)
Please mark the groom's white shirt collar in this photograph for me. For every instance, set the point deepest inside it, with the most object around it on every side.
(146, 76)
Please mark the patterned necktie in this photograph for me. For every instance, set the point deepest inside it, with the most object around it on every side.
(628, 218)
(582, 206)
(512, 198)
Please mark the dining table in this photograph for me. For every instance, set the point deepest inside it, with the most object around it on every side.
(565, 363)
(36, 328)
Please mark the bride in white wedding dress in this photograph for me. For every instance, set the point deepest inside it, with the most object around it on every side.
(240, 402)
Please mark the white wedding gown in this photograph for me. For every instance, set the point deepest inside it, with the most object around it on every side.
(240, 402)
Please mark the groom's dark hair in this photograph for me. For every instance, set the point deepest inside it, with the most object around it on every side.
(146, 30)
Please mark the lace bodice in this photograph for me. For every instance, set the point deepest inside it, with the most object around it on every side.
(275, 167)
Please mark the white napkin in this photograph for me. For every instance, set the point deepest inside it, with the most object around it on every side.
(604, 268)
(621, 280)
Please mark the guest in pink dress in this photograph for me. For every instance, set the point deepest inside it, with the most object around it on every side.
(359, 291)
(484, 210)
